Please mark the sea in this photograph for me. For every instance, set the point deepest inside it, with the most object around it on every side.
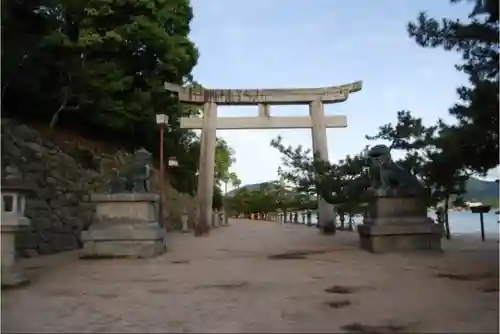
(462, 222)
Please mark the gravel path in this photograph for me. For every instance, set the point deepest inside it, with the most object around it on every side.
(256, 276)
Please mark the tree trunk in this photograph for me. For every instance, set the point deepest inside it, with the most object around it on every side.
(350, 222)
(62, 107)
(55, 116)
(445, 217)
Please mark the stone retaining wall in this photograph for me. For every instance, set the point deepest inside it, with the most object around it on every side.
(61, 176)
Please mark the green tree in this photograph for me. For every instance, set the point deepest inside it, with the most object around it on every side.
(238, 203)
(349, 169)
(408, 135)
(235, 181)
(477, 40)
(263, 200)
(98, 67)
(229, 177)
(298, 166)
(284, 196)
(443, 173)
(224, 159)
(308, 175)
(217, 199)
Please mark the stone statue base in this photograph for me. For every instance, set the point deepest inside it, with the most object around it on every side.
(398, 224)
(126, 225)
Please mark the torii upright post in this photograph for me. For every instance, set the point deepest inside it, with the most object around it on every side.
(317, 121)
(326, 211)
(206, 168)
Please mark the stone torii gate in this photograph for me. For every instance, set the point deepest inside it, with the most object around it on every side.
(211, 98)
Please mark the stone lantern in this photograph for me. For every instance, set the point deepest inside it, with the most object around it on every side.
(13, 220)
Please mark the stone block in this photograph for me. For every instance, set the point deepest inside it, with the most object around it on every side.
(151, 231)
(394, 208)
(404, 237)
(140, 206)
(397, 223)
(126, 225)
(123, 248)
(124, 241)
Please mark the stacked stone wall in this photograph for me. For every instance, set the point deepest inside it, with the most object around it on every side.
(62, 170)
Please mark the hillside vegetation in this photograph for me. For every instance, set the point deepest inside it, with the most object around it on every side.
(97, 68)
(483, 191)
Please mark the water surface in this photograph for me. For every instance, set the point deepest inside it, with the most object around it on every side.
(461, 222)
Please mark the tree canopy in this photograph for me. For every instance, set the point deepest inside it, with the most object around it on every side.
(476, 112)
(269, 197)
(304, 171)
(98, 67)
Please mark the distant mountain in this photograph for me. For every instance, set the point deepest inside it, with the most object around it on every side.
(480, 190)
(251, 187)
(477, 190)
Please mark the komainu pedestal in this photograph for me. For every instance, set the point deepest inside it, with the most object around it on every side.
(126, 225)
(395, 223)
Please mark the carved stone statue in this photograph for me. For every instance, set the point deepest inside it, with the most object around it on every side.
(127, 213)
(385, 174)
(382, 177)
(135, 177)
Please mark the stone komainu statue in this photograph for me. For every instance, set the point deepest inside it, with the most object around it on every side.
(385, 174)
(135, 176)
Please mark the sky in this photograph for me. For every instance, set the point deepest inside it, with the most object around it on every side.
(317, 43)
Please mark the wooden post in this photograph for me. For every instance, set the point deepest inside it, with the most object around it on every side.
(481, 209)
(482, 226)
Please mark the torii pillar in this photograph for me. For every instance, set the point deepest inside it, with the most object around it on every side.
(206, 178)
(326, 212)
(317, 122)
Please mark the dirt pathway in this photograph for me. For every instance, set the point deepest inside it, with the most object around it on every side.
(262, 277)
